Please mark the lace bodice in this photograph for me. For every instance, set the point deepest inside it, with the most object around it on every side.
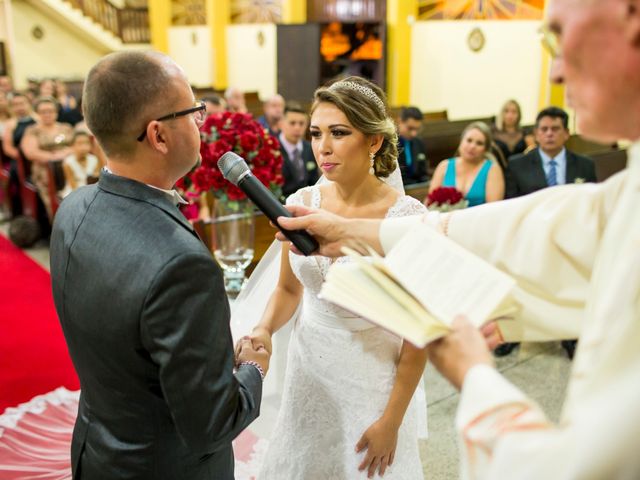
(311, 271)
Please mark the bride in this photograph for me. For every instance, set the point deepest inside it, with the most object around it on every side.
(347, 409)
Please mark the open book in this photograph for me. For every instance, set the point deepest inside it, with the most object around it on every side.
(418, 289)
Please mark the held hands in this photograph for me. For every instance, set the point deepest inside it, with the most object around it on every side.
(246, 352)
(380, 441)
(463, 348)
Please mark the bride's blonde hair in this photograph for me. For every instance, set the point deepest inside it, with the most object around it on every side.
(365, 106)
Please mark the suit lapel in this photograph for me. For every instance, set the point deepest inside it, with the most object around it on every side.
(538, 177)
(572, 167)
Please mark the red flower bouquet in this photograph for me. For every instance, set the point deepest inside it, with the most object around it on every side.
(241, 134)
(445, 199)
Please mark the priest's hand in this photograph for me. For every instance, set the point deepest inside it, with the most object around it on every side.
(463, 348)
(331, 231)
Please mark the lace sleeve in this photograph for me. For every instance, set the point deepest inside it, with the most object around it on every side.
(406, 207)
(301, 197)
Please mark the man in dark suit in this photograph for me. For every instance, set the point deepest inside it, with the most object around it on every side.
(550, 163)
(412, 157)
(547, 165)
(299, 167)
(140, 299)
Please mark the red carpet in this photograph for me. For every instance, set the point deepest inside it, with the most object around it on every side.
(33, 354)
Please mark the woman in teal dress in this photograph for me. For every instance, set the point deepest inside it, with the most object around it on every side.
(474, 172)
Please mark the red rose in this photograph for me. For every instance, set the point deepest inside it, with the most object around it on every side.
(234, 193)
(190, 211)
(444, 195)
(248, 141)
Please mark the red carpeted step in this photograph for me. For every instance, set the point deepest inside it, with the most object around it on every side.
(33, 354)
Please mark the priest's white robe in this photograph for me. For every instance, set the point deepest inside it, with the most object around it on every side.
(575, 253)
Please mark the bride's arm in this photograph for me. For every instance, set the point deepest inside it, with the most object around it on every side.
(380, 438)
(282, 304)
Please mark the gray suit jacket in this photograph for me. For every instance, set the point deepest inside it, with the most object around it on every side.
(146, 319)
(525, 173)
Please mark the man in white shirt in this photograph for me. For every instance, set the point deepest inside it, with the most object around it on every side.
(574, 251)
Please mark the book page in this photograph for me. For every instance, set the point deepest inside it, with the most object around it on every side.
(351, 287)
(447, 279)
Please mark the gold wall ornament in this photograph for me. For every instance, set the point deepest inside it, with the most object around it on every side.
(256, 11)
(260, 38)
(481, 9)
(188, 12)
(476, 40)
(37, 32)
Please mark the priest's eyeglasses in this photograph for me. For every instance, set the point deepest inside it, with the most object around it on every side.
(199, 114)
(550, 41)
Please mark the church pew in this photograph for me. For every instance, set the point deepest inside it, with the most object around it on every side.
(609, 162)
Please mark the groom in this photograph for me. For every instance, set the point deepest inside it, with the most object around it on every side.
(141, 301)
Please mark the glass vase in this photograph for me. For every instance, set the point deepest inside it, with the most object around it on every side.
(232, 240)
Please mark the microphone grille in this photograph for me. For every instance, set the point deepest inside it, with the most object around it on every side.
(232, 166)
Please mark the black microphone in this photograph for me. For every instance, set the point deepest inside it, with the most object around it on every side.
(235, 170)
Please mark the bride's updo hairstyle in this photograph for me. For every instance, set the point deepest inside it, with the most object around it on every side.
(364, 105)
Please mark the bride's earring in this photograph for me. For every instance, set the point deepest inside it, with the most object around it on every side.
(372, 157)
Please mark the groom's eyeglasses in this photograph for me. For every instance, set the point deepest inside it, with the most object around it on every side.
(199, 113)
(550, 41)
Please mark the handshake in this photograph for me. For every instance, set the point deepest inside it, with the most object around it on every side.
(254, 348)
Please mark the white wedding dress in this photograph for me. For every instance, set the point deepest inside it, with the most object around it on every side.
(339, 376)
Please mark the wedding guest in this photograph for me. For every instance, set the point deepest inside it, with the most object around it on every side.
(47, 88)
(235, 100)
(273, 109)
(299, 167)
(573, 251)
(215, 104)
(346, 410)
(508, 135)
(46, 141)
(68, 108)
(474, 172)
(550, 163)
(141, 301)
(547, 165)
(80, 164)
(412, 156)
(11, 139)
(6, 86)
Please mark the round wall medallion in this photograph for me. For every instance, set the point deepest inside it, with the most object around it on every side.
(476, 40)
(37, 32)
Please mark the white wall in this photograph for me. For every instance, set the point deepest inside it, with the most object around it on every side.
(60, 53)
(250, 66)
(190, 47)
(447, 74)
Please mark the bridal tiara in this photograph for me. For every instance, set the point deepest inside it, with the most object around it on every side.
(363, 89)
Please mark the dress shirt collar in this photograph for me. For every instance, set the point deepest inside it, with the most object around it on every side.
(173, 196)
(561, 167)
(290, 147)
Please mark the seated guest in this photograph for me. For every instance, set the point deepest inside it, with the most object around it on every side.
(11, 139)
(412, 156)
(46, 141)
(550, 163)
(68, 109)
(299, 167)
(80, 165)
(235, 100)
(507, 133)
(546, 165)
(215, 104)
(273, 110)
(473, 172)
